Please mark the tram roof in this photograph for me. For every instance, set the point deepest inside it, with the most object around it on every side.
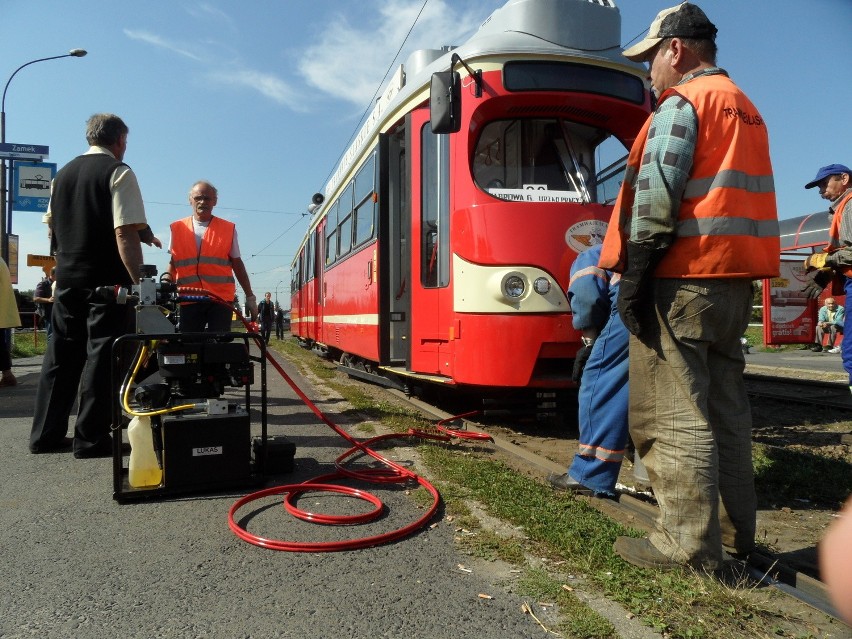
(580, 29)
(804, 232)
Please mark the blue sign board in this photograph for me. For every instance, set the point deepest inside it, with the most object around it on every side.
(31, 187)
(15, 151)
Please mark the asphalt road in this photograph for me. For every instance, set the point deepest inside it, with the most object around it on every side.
(77, 564)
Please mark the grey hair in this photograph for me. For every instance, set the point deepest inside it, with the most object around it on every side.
(207, 184)
(105, 129)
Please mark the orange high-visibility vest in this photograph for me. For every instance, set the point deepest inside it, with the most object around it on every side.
(834, 242)
(727, 225)
(614, 250)
(210, 268)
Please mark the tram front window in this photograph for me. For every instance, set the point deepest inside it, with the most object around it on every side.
(548, 160)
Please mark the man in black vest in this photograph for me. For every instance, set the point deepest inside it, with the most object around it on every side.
(95, 213)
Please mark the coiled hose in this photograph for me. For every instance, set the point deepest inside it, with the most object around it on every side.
(390, 472)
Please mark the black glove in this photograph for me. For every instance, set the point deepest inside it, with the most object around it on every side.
(817, 280)
(580, 360)
(633, 300)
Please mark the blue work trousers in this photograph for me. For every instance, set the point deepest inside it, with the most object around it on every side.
(603, 401)
(846, 344)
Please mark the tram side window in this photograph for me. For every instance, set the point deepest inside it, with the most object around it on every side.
(365, 207)
(296, 275)
(434, 209)
(331, 235)
(309, 258)
(545, 160)
(344, 230)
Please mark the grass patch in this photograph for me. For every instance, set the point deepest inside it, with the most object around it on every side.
(680, 603)
(575, 538)
(27, 344)
(578, 620)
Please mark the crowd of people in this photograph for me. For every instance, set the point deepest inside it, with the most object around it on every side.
(663, 301)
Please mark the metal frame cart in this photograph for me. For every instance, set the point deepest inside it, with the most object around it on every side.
(209, 446)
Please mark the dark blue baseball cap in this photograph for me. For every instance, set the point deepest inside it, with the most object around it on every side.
(827, 171)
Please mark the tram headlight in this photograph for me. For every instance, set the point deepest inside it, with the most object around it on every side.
(514, 286)
(541, 285)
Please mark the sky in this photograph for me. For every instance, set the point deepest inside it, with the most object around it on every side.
(262, 97)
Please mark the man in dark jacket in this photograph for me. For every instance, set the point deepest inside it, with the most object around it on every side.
(266, 316)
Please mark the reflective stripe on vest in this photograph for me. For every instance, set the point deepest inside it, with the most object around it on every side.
(211, 268)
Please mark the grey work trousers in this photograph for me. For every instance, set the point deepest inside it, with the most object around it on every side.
(690, 418)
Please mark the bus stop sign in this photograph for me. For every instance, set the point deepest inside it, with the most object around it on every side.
(31, 190)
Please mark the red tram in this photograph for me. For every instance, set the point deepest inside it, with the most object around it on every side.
(441, 247)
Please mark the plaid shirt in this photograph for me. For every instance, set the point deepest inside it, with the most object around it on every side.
(665, 169)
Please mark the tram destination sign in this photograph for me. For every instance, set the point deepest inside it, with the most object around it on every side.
(14, 151)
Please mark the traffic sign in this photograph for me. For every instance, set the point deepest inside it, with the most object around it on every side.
(44, 262)
(40, 260)
(14, 151)
(31, 186)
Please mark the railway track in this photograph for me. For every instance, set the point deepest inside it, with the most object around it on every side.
(825, 393)
(640, 512)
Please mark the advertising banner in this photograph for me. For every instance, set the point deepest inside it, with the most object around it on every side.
(789, 315)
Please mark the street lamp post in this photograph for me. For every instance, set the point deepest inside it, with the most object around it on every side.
(6, 204)
(276, 291)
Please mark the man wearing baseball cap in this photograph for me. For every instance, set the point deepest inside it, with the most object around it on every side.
(695, 222)
(835, 185)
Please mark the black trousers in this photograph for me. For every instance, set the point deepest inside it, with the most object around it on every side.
(78, 362)
(5, 349)
(205, 316)
(265, 329)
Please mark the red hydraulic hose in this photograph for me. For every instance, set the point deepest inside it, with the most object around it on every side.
(391, 472)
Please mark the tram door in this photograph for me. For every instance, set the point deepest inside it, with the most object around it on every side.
(397, 222)
(429, 157)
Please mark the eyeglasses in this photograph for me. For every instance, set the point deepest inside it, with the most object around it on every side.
(202, 198)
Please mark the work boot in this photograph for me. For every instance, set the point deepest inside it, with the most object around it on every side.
(567, 483)
(642, 553)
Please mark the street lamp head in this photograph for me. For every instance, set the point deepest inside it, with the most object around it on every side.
(77, 53)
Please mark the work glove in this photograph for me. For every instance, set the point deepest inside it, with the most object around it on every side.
(580, 360)
(251, 302)
(633, 300)
(817, 280)
(815, 261)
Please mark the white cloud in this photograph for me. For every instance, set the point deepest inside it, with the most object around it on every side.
(266, 84)
(348, 62)
(157, 41)
(203, 9)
